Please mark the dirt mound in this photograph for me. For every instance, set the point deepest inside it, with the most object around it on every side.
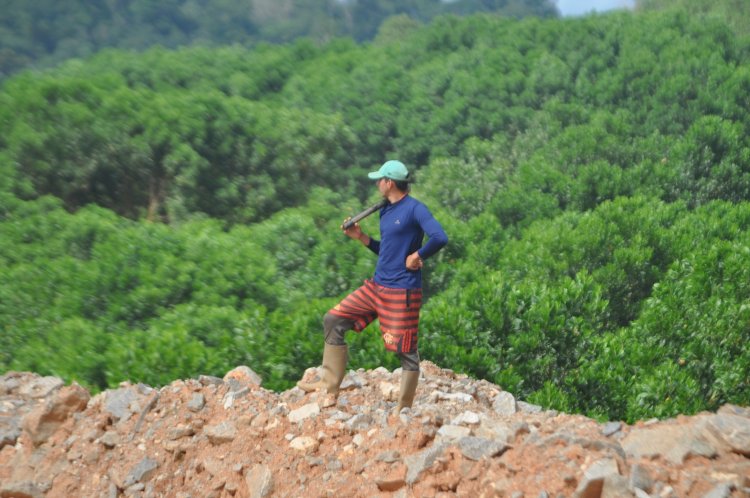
(212, 437)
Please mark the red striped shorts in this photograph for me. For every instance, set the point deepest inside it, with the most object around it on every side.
(396, 309)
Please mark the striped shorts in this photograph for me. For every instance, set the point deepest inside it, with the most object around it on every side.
(396, 309)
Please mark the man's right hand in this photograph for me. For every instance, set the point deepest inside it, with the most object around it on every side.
(355, 232)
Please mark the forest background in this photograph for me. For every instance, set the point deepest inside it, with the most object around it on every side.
(174, 210)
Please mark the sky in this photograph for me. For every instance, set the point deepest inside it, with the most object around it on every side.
(580, 7)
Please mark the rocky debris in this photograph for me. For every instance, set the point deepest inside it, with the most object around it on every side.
(44, 420)
(221, 438)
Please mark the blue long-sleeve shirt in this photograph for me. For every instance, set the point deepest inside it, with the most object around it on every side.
(403, 226)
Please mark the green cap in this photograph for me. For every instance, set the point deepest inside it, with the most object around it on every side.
(395, 170)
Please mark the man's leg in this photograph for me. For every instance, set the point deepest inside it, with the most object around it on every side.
(409, 379)
(353, 313)
(334, 355)
(334, 328)
(398, 312)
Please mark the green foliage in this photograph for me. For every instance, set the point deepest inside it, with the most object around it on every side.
(684, 352)
(559, 315)
(188, 340)
(476, 175)
(45, 33)
(698, 321)
(73, 349)
(713, 161)
(554, 115)
(519, 335)
(172, 213)
(733, 12)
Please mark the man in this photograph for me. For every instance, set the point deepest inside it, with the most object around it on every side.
(394, 294)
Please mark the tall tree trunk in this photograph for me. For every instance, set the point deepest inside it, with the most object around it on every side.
(155, 197)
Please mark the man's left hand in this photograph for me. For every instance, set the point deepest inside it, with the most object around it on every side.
(414, 261)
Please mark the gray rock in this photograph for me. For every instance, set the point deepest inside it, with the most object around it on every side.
(9, 382)
(391, 456)
(504, 404)
(224, 432)
(212, 465)
(639, 493)
(244, 375)
(449, 433)
(494, 429)
(180, 431)
(466, 418)
(196, 403)
(121, 403)
(280, 410)
(567, 439)
(232, 395)
(503, 487)
(419, 462)
(235, 386)
(742, 411)
(476, 448)
(110, 439)
(304, 444)
(134, 490)
(310, 410)
(352, 381)
(602, 468)
(611, 428)
(10, 430)
(143, 471)
(339, 416)
(674, 442)
(45, 419)
(721, 491)
(112, 491)
(259, 481)
(210, 380)
(24, 489)
(641, 478)
(40, 387)
(732, 429)
(454, 397)
(616, 486)
(528, 407)
(359, 423)
(593, 478)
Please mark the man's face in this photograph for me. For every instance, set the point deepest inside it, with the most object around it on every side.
(384, 186)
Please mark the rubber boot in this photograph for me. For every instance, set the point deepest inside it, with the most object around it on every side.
(334, 369)
(409, 381)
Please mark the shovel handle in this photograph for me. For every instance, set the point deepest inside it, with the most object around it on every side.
(364, 214)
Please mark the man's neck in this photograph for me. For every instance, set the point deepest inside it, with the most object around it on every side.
(396, 196)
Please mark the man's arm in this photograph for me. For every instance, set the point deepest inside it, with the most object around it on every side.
(370, 243)
(355, 232)
(437, 238)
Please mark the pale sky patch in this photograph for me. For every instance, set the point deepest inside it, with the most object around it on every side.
(581, 7)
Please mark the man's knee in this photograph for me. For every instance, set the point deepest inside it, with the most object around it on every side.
(335, 327)
(409, 361)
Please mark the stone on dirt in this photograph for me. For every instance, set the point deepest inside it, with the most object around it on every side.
(228, 437)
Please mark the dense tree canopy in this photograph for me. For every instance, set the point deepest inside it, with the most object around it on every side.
(46, 32)
(734, 12)
(176, 212)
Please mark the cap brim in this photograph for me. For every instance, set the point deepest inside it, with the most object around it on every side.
(375, 175)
